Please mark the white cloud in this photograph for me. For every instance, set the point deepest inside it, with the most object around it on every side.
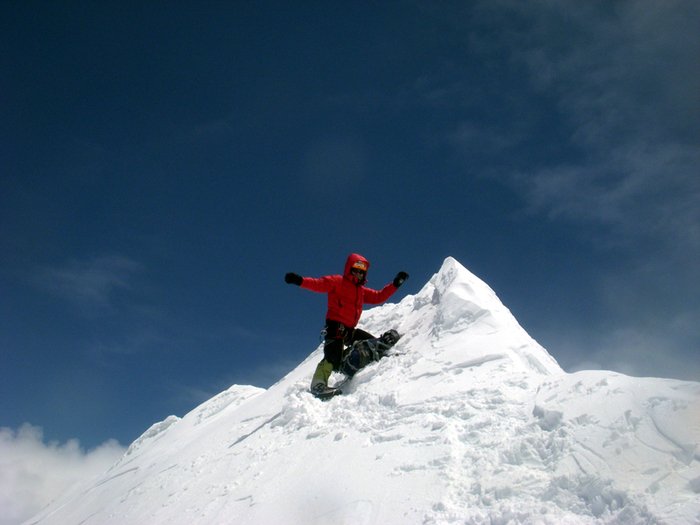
(90, 283)
(634, 192)
(624, 80)
(603, 106)
(607, 95)
(33, 473)
(641, 353)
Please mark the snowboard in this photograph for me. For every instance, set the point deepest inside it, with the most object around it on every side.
(359, 355)
(327, 393)
(330, 391)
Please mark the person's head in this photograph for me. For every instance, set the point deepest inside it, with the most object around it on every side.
(359, 270)
(356, 268)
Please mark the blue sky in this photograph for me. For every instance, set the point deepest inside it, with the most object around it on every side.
(163, 166)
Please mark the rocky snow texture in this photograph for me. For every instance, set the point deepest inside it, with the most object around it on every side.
(471, 421)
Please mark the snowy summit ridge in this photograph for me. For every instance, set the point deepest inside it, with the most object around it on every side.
(471, 421)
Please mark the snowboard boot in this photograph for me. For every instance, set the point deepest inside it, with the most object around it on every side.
(324, 393)
(321, 375)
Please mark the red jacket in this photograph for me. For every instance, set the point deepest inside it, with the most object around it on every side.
(346, 294)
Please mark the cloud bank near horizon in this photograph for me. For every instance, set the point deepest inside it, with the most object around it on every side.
(34, 472)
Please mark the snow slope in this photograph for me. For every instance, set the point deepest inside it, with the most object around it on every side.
(471, 421)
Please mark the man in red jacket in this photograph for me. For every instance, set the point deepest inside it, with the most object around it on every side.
(346, 295)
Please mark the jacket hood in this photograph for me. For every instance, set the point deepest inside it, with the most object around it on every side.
(352, 259)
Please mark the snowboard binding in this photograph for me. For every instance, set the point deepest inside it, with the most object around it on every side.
(355, 358)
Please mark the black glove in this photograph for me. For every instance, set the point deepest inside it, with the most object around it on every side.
(400, 278)
(293, 278)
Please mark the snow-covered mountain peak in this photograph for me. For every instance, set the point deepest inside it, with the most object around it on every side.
(469, 421)
(455, 278)
(462, 302)
(459, 317)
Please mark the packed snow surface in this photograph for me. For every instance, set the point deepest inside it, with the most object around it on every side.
(470, 421)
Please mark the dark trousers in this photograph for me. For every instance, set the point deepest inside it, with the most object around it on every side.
(338, 336)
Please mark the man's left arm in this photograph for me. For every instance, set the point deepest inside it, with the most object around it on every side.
(379, 296)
